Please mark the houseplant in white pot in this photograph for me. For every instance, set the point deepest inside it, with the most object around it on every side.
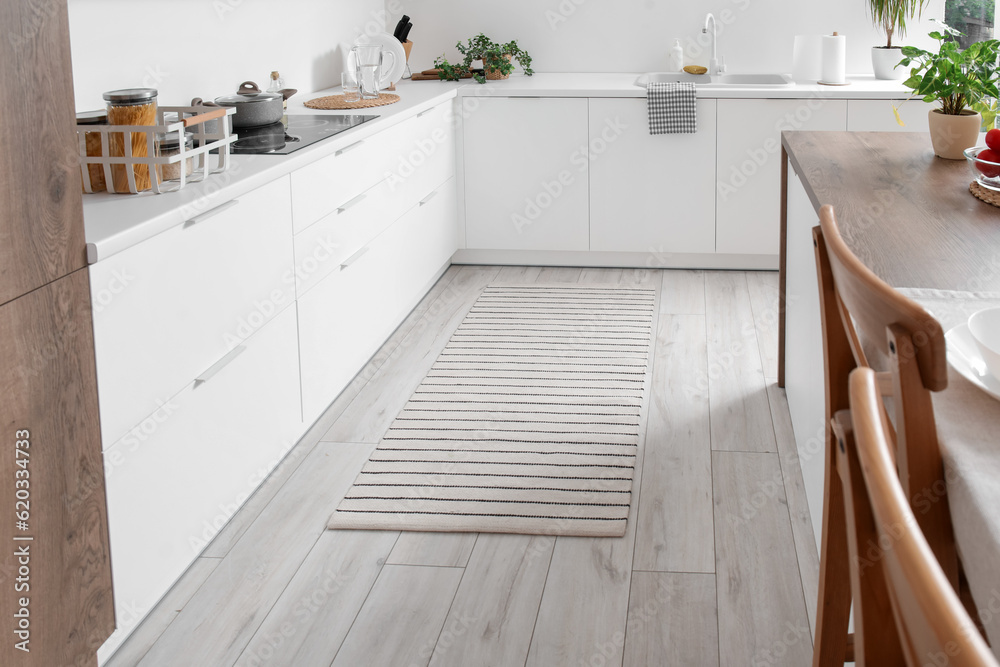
(891, 16)
(959, 80)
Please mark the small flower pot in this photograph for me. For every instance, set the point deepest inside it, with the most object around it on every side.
(494, 74)
(885, 61)
(950, 135)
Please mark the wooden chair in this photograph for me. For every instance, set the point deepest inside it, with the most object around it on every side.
(854, 302)
(920, 619)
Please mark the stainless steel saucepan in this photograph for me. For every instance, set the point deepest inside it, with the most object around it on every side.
(254, 108)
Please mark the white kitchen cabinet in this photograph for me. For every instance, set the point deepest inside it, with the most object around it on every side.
(342, 321)
(650, 193)
(345, 318)
(804, 371)
(172, 306)
(877, 116)
(748, 166)
(424, 239)
(526, 173)
(426, 160)
(172, 484)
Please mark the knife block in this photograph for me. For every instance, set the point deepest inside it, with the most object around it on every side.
(407, 46)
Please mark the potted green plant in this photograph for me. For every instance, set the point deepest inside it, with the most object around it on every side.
(497, 60)
(959, 80)
(891, 17)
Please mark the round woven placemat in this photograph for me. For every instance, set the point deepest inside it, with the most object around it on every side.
(338, 102)
(991, 197)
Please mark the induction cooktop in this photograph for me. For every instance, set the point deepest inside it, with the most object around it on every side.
(293, 132)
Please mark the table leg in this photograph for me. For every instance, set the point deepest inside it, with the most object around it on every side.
(781, 267)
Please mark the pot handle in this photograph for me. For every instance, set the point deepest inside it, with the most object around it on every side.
(248, 87)
(288, 92)
(198, 102)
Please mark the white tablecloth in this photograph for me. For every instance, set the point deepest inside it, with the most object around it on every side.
(968, 421)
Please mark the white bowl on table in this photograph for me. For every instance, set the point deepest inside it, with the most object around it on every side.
(985, 329)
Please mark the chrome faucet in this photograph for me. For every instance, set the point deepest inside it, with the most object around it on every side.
(713, 66)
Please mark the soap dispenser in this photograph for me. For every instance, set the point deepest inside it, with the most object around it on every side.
(677, 57)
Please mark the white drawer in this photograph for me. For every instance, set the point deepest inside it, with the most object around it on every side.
(424, 165)
(173, 483)
(171, 306)
(423, 241)
(343, 320)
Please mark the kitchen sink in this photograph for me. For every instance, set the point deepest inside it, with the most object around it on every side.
(720, 80)
(670, 77)
(751, 80)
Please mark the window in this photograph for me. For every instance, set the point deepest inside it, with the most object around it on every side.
(974, 18)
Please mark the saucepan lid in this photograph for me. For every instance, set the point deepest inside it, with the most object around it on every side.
(248, 93)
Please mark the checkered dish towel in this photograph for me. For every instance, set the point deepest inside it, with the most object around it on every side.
(672, 108)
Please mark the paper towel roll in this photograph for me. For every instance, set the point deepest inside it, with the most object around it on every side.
(807, 58)
(834, 68)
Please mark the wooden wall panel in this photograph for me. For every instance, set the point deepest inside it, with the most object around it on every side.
(55, 568)
(41, 216)
(48, 386)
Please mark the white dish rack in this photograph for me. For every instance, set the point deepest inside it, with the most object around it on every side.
(170, 121)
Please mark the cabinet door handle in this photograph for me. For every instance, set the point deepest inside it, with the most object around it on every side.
(349, 148)
(425, 112)
(428, 198)
(353, 258)
(209, 372)
(348, 204)
(191, 222)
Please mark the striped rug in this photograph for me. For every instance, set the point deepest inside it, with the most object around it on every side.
(528, 421)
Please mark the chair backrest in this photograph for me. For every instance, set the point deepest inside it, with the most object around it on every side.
(867, 303)
(932, 624)
(856, 304)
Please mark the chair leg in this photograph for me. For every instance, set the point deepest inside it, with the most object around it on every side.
(876, 639)
(834, 605)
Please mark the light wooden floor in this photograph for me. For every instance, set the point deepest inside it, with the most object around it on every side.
(718, 565)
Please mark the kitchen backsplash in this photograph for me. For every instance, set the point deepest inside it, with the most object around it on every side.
(205, 48)
(636, 35)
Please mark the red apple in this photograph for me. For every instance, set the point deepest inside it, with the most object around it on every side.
(993, 139)
(989, 170)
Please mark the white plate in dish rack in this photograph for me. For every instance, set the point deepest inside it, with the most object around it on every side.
(964, 357)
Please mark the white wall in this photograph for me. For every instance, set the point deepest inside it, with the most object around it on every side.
(635, 35)
(206, 48)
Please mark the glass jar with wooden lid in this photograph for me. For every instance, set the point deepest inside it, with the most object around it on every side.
(130, 106)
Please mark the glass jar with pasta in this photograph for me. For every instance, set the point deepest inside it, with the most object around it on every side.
(94, 147)
(130, 106)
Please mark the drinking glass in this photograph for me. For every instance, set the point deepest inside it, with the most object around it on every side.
(350, 88)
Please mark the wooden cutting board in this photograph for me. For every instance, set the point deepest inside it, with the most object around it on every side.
(432, 75)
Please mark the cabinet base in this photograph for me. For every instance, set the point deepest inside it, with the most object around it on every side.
(638, 260)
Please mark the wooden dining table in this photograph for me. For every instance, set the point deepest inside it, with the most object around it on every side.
(909, 217)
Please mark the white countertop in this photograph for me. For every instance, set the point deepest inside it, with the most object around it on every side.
(623, 85)
(115, 222)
